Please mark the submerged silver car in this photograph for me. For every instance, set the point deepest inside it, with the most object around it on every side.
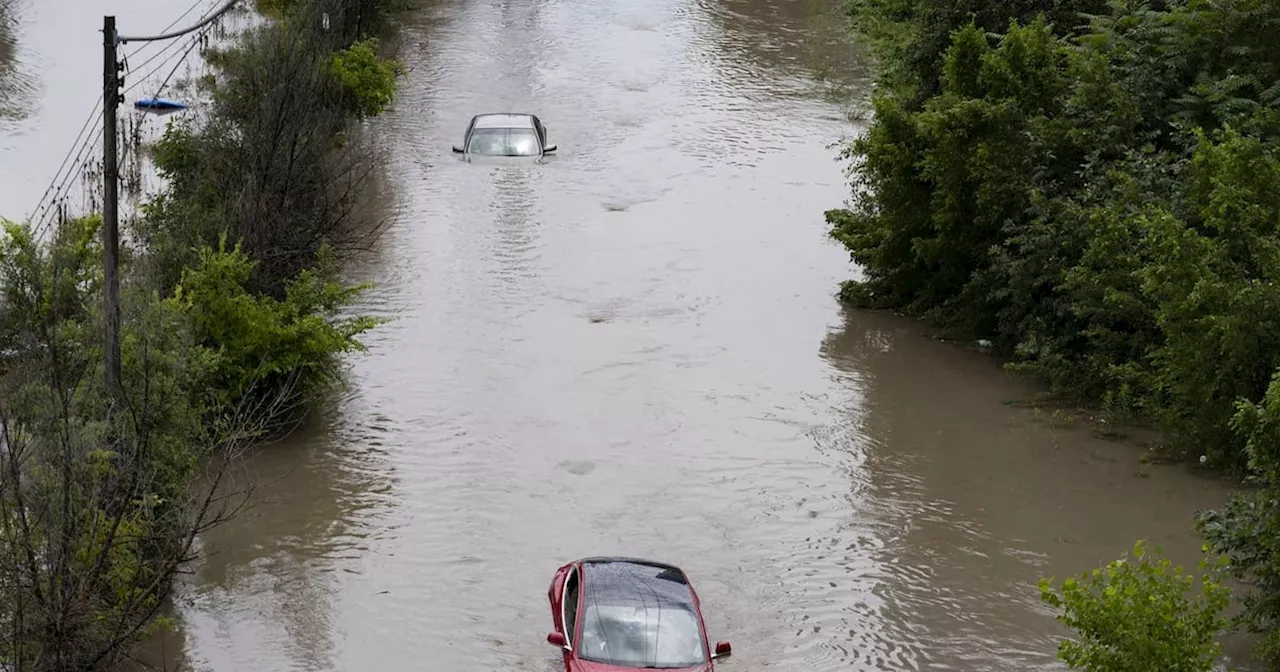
(505, 134)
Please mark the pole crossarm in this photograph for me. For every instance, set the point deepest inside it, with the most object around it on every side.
(121, 39)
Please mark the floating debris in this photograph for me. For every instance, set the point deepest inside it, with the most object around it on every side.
(159, 105)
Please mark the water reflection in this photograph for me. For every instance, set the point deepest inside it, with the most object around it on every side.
(320, 498)
(977, 500)
(803, 47)
(19, 84)
(164, 652)
(514, 217)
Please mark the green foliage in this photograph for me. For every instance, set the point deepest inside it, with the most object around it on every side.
(96, 504)
(99, 500)
(1135, 616)
(939, 184)
(1247, 529)
(350, 20)
(1100, 197)
(261, 345)
(246, 239)
(368, 82)
(911, 37)
(274, 166)
(1100, 202)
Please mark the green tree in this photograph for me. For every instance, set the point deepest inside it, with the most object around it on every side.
(937, 187)
(1099, 202)
(98, 504)
(1100, 197)
(1134, 615)
(368, 82)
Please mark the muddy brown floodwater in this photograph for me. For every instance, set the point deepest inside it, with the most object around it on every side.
(634, 349)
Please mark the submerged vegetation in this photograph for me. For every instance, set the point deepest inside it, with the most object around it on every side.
(1094, 187)
(233, 317)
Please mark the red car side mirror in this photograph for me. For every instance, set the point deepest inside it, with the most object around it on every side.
(722, 649)
(557, 639)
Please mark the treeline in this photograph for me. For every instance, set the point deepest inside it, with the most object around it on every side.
(1094, 187)
(233, 318)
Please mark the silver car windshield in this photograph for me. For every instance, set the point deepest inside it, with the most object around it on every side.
(504, 142)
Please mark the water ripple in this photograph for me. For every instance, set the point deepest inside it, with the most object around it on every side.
(613, 352)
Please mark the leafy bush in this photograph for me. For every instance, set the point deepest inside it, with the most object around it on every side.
(261, 345)
(1135, 616)
(1100, 202)
(1100, 198)
(1247, 529)
(274, 166)
(368, 82)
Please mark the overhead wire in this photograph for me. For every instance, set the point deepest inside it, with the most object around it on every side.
(203, 17)
(91, 139)
(48, 205)
(206, 19)
(91, 144)
(42, 209)
(195, 41)
(201, 29)
(179, 56)
(173, 23)
(75, 143)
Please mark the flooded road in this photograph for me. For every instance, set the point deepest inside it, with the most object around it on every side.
(634, 349)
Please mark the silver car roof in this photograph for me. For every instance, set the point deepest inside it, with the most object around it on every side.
(504, 120)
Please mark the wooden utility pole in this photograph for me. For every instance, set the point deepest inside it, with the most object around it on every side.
(111, 97)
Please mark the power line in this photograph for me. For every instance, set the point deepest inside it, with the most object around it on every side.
(91, 118)
(46, 208)
(181, 56)
(198, 38)
(152, 57)
(50, 214)
(90, 140)
(172, 23)
(190, 29)
(41, 212)
(77, 147)
(90, 145)
(203, 17)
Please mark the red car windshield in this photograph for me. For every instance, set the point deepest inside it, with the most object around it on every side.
(639, 616)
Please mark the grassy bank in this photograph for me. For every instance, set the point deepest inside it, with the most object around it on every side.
(1095, 188)
(233, 320)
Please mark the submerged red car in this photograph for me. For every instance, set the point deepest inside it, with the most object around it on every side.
(613, 614)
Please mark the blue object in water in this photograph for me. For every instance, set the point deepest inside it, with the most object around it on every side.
(159, 105)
